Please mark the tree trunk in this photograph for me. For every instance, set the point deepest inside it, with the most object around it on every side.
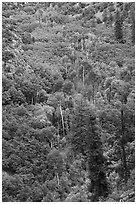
(83, 75)
(58, 138)
(51, 144)
(93, 95)
(62, 118)
(32, 100)
(57, 176)
(66, 70)
(39, 19)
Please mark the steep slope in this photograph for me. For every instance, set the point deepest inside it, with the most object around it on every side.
(68, 83)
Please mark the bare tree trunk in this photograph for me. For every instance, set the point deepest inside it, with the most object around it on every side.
(39, 19)
(32, 101)
(83, 76)
(62, 119)
(58, 138)
(93, 86)
(57, 176)
(51, 144)
(66, 70)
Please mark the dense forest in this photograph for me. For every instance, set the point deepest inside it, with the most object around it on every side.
(68, 102)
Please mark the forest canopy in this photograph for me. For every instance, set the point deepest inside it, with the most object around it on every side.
(68, 102)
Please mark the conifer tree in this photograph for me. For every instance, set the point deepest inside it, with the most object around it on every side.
(105, 16)
(133, 22)
(118, 27)
(110, 19)
(86, 140)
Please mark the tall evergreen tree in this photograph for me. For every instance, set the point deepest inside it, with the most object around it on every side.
(133, 22)
(105, 16)
(110, 19)
(118, 27)
(86, 140)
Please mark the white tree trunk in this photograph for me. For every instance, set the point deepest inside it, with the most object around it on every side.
(62, 118)
(57, 178)
(83, 76)
(51, 144)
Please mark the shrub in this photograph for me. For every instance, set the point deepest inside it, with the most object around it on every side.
(67, 87)
(29, 10)
(7, 55)
(26, 38)
(58, 85)
(21, 111)
(27, 47)
(28, 27)
(42, 96)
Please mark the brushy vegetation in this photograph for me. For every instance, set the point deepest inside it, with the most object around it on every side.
(68, 102)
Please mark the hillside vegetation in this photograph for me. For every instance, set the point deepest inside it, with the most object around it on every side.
(68, 96)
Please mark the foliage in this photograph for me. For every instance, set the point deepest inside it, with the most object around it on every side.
(118, 27)
(68, 101)
(133, 23)
(86, 140)
(28, 27)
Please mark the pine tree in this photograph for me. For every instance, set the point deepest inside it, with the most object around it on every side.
(118, 27)
(105, 16)
(86, 140)
(124, 13)
(133, 22)
(110, 19)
